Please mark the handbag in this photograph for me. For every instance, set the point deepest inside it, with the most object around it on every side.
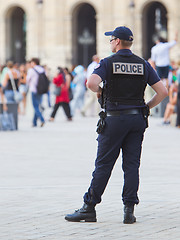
(18, 97)
(7, 122)
(70, 94)
(57, 91)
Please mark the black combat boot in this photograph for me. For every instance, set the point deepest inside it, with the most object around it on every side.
(86, 213)
(129, 217)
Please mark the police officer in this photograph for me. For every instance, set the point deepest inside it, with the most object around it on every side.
(123, 122)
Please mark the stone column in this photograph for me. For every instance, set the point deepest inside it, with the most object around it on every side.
(2, 39)
(32, 37)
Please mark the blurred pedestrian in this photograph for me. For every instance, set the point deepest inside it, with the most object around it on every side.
(2, 99)
(4, 70)
(91, 97)
(16, 68)
(170, 107)
(47, 71)
(23, 86)
(69, 80)
(28, 65)
(178, 96)
(11, 75)
(160, 58)
(63, 98)
(32, 81)
(80, 89)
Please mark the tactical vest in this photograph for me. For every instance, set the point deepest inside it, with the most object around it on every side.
(126, 82)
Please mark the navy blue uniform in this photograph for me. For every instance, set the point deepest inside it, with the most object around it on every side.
(122, 132)
(102, 70)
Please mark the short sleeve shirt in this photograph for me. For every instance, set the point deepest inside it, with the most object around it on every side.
(160, 53)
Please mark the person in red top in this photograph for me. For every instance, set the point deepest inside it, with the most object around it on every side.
(63, 98)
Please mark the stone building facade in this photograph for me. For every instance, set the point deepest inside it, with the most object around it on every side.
(69, 32)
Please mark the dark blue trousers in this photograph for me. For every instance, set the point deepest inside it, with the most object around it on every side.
(121, 132)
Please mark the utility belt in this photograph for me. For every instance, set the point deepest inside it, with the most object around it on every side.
(124, 112)
(101, 123)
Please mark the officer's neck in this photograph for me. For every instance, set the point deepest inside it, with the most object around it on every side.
(121, 48)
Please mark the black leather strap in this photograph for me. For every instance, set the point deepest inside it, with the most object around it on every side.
(123, 112)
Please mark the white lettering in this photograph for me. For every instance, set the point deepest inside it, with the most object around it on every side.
(128, 68)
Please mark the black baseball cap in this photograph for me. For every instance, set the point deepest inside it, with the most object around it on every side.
(122, 33)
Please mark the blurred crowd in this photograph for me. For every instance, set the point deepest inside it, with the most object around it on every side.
(172, 82)
(67, 89)
(172, 111)
(168, 72)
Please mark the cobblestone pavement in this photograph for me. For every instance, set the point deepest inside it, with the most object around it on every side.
(45, 172)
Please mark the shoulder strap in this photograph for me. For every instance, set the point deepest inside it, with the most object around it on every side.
(12, 81)
(64, 77)
(36, 71)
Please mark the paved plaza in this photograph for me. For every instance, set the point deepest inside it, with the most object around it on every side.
(45, 171)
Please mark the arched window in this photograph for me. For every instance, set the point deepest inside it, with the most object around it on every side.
(16, 35)
(84, 34)
(154, 25)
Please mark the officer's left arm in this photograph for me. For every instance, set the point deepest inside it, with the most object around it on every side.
(161, 93)
(154, 81)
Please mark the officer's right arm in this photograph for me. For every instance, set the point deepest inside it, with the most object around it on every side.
(93, 83)
(161, 93)
(99, 75)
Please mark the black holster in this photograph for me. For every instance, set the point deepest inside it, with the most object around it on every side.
(101, 123)
(146, 113)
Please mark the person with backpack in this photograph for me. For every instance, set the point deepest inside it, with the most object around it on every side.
(36, 80)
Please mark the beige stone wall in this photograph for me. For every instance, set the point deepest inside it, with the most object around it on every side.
(50, 28)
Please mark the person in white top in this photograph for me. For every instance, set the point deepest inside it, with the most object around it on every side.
(160, 57)
(91, 97)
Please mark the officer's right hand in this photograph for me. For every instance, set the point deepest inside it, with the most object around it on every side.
(99, 93)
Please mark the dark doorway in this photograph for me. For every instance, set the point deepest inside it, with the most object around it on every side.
(16, 35)
(154, 24)
(84, 34)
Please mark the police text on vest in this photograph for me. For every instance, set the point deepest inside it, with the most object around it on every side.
(128, 68)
